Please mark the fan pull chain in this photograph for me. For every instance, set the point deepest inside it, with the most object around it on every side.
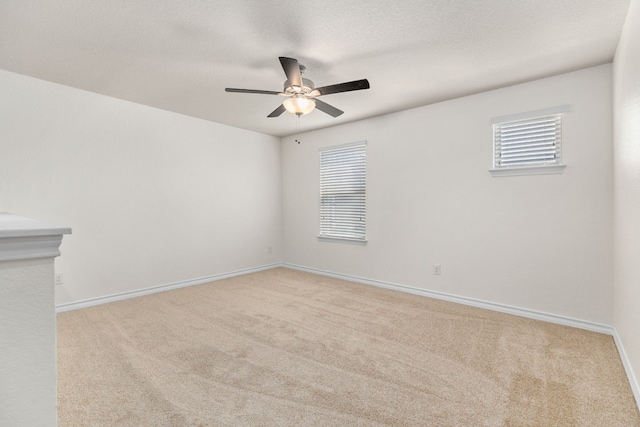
(297, 127)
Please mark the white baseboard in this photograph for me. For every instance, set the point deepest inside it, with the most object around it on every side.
(633, 379)
(517, 311)
(523, 312)
(155, 289)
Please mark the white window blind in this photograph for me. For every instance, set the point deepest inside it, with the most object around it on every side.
(343, 192)
(528, 143)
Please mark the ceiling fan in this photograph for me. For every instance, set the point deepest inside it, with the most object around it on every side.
(302, 95)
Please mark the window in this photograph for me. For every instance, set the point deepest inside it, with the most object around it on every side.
(343, 191)
(529, 143)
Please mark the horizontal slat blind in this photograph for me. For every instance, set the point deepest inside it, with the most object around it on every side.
(530, 142)
(343, 192)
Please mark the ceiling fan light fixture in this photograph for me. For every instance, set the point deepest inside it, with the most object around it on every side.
(299, 105)
(301, 93)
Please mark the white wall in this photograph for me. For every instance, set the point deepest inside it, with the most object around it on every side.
(537, 242)
(627, 190)
(153, 197)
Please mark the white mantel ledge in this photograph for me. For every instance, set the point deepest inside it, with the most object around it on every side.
(26, 238)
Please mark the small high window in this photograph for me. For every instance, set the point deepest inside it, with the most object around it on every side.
(530, 143)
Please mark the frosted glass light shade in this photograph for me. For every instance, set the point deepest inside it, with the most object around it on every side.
(299, 105)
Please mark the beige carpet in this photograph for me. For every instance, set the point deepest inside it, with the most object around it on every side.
(285, 348)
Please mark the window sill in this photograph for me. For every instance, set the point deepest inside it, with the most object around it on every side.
(535, 170)
(342, 240)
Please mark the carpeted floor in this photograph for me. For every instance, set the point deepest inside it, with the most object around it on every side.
(286, 348)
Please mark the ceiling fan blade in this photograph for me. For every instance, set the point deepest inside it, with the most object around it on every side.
(329, 109)
(277, 111)
(292, 70)
(263, 92)
(341, 87)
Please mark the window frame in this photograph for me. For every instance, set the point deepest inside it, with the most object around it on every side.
(355, 197)
(541, 167)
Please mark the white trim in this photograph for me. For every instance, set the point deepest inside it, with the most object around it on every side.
(29, 247)
(633, 381)
(19, 226)
(530, 114)
(533, 170)
(339, 146)
(26, 238)
(342, 240)
(502, 308)
(517, 311)
(161, 288)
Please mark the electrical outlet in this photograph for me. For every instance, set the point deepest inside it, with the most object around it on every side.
(437, 269)
(59, 279)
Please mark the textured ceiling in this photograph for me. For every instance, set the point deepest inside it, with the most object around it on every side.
(179, 55)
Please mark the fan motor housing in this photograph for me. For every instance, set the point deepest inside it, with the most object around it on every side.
(308, 86)
(305, 94)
